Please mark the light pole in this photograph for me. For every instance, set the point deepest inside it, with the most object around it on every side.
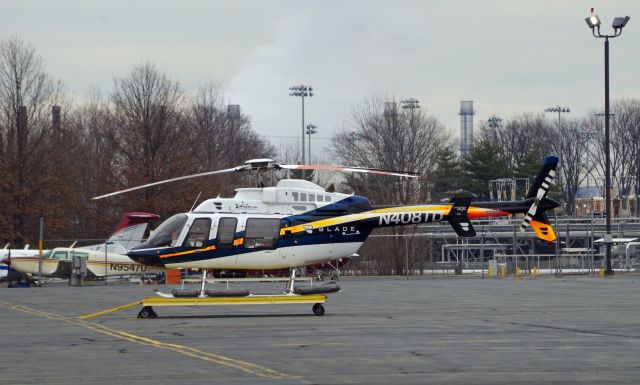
(302, 91)
(410, 104)
(311, 129)
(494, 122)
(560, 111)
(593, 22)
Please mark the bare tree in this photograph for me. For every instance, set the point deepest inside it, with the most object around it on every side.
(152, 141)
(380, 136)
(624, 137)
(225, 138)
(97, 151)
(520, 138)
(394, 140)
(26, 92)
(571, 144)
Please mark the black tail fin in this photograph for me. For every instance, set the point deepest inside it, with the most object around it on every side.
(534, 217)
(458, 217)
(542, 183)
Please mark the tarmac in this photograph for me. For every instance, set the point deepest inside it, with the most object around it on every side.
(570, 330)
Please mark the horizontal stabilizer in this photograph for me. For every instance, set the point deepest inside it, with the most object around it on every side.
(458, 218)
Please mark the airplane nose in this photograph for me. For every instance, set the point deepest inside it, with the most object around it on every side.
(6, 261)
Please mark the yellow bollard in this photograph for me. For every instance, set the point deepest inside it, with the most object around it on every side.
(490, 271)
(601, 272)
(536, 271)
(502, 271)
(518, 271)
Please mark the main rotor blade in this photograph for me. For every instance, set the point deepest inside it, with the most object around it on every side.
(225, 171)
(403, 174)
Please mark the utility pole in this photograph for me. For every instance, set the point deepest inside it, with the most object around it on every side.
(40, 241)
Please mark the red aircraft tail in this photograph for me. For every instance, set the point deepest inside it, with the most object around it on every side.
(134, 218)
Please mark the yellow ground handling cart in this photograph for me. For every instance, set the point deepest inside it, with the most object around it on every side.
(286, 299)
(313, 294)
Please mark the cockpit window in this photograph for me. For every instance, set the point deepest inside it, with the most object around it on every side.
(198, 233)
(47, 254)
(62, 255)
(168, 232)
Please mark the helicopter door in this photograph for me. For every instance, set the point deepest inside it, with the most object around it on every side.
(288, 252)
(226, 232)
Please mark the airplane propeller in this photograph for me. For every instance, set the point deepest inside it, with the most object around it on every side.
(268, 164)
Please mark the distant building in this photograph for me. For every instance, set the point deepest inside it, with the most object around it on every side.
(591, 199)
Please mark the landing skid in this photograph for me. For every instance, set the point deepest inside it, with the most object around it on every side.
(162, 295)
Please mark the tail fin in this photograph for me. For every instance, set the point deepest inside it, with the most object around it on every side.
(538, 191)
(131, 229)
(543, 180)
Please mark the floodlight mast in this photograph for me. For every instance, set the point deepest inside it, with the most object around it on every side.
(560, 111)
(302, 91)
(311, 129)
(594, 23)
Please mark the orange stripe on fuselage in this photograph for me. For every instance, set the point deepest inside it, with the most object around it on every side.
(187, 252)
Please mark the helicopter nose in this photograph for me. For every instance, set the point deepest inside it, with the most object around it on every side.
(145, 258)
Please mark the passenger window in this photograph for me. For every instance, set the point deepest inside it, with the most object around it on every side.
(303, 197)
(327, 198)
(226, 231)
(261, 233)
(62, 255)
(295, 196)
(198, 232)
(81, 255)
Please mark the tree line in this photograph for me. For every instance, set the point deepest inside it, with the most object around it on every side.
(410, 139)
(57, 153)
(53, 160)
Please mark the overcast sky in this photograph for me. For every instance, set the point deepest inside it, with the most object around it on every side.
(507, 56)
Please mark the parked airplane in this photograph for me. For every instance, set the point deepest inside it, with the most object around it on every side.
(130, 231)
(7, 273)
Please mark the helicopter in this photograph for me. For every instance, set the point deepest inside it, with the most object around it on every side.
(297, 223)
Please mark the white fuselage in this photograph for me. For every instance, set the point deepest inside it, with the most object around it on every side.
(188, 242)
(57, 263)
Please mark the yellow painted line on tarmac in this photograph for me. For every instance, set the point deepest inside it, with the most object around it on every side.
(243, 366)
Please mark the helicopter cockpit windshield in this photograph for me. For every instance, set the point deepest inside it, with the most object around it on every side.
(168, 232)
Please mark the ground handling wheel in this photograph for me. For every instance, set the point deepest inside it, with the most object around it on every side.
(318, 309)
(147, 312)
